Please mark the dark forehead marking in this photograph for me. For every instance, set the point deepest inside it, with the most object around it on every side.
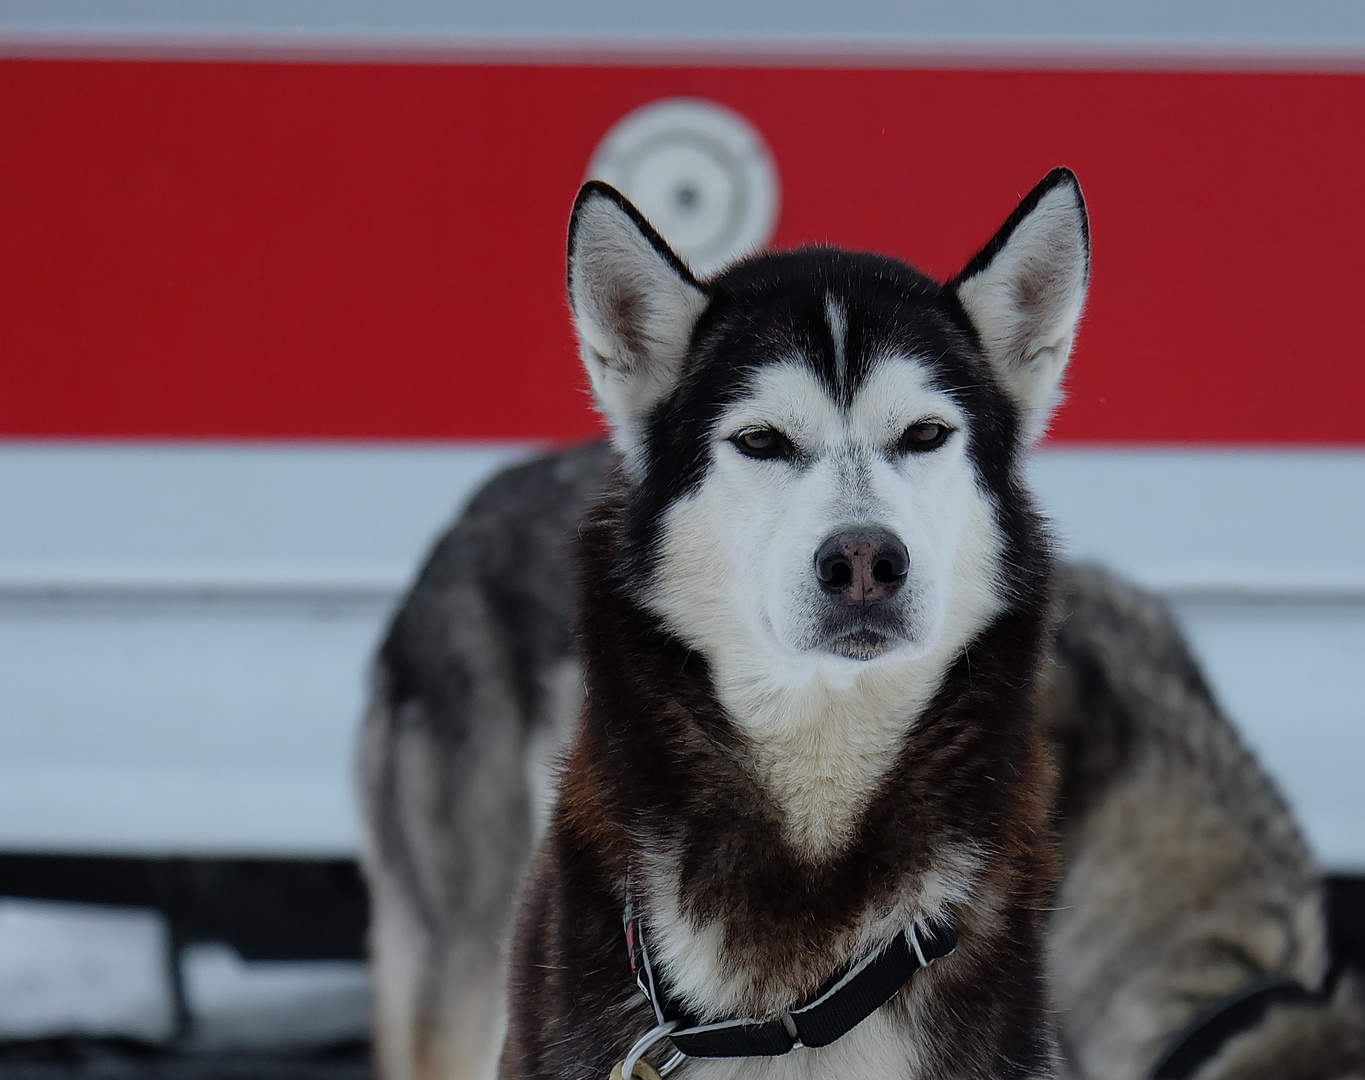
(776, 308)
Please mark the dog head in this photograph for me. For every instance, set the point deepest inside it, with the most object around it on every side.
(822, 447)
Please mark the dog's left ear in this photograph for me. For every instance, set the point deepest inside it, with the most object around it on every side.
(1024, 291)
(634, 303)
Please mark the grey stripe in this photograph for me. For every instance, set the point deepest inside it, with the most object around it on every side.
(1277, 27)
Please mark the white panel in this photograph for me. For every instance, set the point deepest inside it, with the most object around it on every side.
(231, 508)
(184, 632)
(1272, 522)
(184, 629)
(228, 685)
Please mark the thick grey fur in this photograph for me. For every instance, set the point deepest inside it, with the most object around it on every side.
(1185, 875)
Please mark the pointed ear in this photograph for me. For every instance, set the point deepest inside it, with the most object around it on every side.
(1024, 291)
(634, 305)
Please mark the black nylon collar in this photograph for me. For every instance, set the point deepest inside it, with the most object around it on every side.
(1210, 1030)
(845, 1000)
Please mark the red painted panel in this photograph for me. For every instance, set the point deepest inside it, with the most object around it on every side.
(375, 251)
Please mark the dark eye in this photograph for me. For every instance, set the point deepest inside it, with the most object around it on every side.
(762, 443)
(926, 435)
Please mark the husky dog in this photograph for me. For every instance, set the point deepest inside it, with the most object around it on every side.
(781, 790)
(815, 602)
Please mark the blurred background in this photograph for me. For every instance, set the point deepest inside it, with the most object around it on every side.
(281, 282)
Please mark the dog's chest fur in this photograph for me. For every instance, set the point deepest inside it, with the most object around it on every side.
(820, 751)
(706, 973)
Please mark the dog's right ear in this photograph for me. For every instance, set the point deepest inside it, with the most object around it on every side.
(634, 305)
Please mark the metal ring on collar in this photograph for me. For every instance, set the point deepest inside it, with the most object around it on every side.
(642, 1045)
(643, 1071)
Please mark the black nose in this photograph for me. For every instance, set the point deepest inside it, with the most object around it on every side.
(861, 566)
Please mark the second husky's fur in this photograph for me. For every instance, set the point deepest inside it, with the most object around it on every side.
(1185, 876)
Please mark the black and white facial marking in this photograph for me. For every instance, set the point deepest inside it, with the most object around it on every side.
(822, 448)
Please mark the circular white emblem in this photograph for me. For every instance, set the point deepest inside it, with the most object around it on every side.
(699, 172)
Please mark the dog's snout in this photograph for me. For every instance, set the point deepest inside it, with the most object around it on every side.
(861, 566)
